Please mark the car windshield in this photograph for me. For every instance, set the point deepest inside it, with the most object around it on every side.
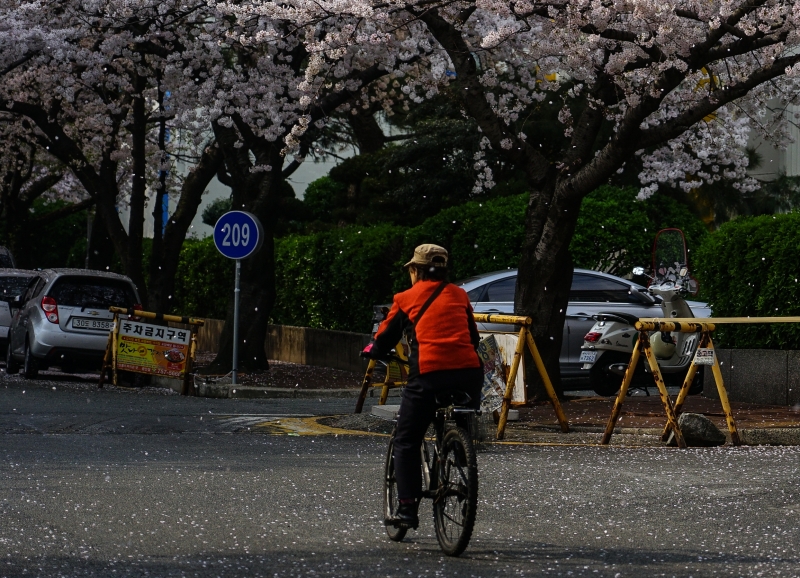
(94, 292)
(12, 286)
(462, 282)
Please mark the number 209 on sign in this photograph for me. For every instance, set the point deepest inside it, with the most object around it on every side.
(235, 234)
(238, 234)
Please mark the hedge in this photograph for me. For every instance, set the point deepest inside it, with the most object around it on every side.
(749, 267)
(204, 281)
(331, 279)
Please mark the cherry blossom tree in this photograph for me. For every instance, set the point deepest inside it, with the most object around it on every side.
(27, 175)
(267, 105)
(92, 91)
(107, 78)
(678, 83)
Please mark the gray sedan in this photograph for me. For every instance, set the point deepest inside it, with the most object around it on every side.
(591, 293)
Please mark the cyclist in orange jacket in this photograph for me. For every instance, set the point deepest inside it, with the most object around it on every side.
(436, 318)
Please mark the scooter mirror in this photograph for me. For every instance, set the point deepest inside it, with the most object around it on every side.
(638, 270)
(683, 271)
(692, 286)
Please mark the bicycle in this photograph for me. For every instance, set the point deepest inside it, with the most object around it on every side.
(449, 472)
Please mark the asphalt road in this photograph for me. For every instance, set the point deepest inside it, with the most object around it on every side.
(115, 483)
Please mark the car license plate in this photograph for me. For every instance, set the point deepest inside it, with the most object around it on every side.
(92, 324)
(588, 356)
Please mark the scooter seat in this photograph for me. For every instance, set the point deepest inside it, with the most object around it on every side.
(614, 316)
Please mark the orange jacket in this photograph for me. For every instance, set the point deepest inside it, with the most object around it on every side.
(446, 336)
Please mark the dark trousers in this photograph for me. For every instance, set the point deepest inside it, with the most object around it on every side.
(417, 410)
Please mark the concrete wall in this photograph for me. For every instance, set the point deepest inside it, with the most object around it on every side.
(763, 376)
(336, 349)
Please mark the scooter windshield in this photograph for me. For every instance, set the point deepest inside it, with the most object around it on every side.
(669, 255)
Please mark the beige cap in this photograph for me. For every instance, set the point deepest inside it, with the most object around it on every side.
(429, 254)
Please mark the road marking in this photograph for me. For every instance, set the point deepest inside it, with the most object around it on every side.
(307, 426)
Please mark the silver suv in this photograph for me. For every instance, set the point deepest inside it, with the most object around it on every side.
(63, 319)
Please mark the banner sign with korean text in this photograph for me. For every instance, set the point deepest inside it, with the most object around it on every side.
(496, 351)
(152, 349)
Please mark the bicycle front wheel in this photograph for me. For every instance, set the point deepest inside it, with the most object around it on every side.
(390, 500)
(455, 504)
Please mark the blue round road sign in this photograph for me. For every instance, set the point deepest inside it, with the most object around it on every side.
(238, 234)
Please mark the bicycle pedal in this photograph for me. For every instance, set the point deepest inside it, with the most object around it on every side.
(396, 523)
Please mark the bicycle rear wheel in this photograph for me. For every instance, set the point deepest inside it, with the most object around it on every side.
(390, 500)
(455, 504)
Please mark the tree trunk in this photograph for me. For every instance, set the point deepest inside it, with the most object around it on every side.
(545, 278)
(132, 259)
(366, 130)
(257, 296)
(256, 192)
(162, 280)
(101, 249)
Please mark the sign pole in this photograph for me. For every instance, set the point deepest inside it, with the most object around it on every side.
(235, 366)
(237, 235)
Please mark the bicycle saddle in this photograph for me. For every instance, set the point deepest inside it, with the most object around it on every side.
(448, 398)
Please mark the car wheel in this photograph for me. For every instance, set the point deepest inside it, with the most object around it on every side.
(12, 367)
(601, 379)
(30, 367)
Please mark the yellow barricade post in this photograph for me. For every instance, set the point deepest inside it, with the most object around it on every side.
(179, 364)
(396, 373)
(525, 339)
(672, 411)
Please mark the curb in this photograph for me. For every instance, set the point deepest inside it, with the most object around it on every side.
(246, 392)
(763, 436)
(228, 391)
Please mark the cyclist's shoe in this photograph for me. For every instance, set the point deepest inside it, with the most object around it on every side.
(405, 517)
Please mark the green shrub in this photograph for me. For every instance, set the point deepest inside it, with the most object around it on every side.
(615, 231)
(332, 279)
(204, 281)
(749, 267)
(480, 236)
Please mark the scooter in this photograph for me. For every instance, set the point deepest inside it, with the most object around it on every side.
(607, 348)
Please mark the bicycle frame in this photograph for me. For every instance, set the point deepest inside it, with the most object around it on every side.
(462, 417)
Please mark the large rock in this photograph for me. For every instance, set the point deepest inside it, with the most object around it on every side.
(698, 431)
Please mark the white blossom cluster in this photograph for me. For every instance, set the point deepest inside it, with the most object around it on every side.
(658, 64)
(683, 82)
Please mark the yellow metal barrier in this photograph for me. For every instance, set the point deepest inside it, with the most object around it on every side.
(704, 326)
(110, 357)
(525, 339)
(391, 380)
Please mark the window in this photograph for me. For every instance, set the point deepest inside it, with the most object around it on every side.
(92, 292)
(12, 286)
(502, 290)
(589, 288)
(33, 284)
(37, 289)
(475, 294)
